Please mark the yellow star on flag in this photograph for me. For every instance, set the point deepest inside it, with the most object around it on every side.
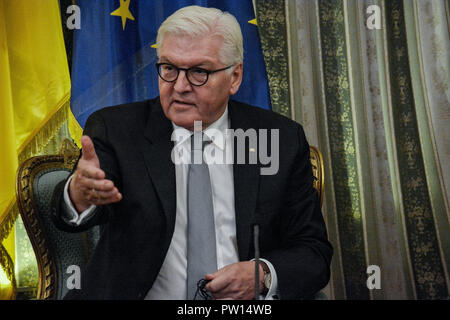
(124, 12)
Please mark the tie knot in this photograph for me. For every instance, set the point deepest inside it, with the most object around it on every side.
(199, 140)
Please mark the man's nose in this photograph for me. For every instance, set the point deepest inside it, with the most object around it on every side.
(182, 84)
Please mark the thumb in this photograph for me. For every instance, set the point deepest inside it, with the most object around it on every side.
(209, 276)
(88, 150)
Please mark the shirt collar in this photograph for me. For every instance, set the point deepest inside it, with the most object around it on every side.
(220, 125)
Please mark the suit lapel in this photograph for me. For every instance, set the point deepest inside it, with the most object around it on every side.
(246, 184)
(156, 149)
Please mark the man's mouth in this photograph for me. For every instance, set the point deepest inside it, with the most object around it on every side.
(186, 103)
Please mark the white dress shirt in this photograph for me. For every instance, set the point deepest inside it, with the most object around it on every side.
(171, 281)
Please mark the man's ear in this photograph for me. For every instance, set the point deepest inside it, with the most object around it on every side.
(236, 78)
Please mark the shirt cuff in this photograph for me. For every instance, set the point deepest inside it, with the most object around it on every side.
(273, 293)
(70, 214)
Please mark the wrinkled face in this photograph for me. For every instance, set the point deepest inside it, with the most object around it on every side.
(184, 103)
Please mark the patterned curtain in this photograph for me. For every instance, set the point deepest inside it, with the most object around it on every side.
(376, 101)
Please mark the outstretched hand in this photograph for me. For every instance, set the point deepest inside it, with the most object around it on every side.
(88, 185)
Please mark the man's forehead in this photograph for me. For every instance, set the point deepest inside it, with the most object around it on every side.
(181, 37)
(191, 50)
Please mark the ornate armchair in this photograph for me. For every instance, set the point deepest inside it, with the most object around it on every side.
(319, 177)
(318, 171)
(57, 250)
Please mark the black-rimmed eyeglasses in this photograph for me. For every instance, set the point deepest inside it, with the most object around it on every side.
(196, 76)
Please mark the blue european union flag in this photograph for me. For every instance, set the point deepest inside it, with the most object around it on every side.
(113, 59)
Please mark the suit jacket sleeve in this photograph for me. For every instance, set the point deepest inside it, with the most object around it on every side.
(302, 261)
(96, 129)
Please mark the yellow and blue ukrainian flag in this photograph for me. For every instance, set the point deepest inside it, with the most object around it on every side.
(34, 95)
(114, 52)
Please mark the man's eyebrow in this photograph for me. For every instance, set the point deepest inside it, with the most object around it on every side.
(165, 60)
(202, 65)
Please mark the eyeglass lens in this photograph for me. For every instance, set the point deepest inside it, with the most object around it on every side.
(196, 76)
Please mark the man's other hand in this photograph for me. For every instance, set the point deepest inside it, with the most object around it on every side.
(88, 185)
(235, 281)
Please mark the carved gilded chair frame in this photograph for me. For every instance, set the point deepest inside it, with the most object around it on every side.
(26, 174)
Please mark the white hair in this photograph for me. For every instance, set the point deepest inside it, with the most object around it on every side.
(196, 21)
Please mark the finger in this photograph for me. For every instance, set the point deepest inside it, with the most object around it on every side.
(217, 279)
(84, 183)
(102, 198)
(92, 172)
(217, 273)
(102, 195)
(88, 149)
(101, 202)
(218, 284)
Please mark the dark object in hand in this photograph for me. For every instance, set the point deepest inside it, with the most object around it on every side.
(201, 291)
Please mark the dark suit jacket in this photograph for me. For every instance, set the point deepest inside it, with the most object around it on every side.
(133, 143)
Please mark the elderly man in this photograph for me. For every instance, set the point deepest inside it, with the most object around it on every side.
(167, 225)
